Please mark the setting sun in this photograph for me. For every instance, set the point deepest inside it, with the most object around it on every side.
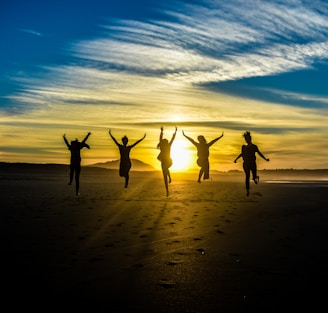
(181, 155)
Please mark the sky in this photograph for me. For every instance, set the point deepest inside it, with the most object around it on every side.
(206, 67)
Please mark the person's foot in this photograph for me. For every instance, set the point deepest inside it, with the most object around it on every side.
(247, 193)
(69, 183)
(170, 180)
(256, 179)
(167, 193)
(198, 181)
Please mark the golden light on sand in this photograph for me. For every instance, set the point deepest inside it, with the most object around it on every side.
(182, 156)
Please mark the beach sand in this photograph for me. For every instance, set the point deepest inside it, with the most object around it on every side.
(205, 248)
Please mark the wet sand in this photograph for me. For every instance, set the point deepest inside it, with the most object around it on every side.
(205, 248)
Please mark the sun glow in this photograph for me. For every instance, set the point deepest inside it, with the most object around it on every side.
(181, 155)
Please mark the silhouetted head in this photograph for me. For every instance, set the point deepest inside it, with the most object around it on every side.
(201, 139)
(247, 136)
(164, 142)
(125, 140)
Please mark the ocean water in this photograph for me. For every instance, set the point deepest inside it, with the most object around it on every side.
(315, 183)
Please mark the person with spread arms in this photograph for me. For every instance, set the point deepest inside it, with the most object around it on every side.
(248, 153)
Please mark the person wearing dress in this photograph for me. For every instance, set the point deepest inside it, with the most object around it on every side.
(125, 161)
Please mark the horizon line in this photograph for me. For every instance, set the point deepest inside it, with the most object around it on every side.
(155, 170)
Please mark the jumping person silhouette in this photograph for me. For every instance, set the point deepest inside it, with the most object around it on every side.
(75, 163)
(203, 152)
(125, 161)
(248, 153)
(165, 157)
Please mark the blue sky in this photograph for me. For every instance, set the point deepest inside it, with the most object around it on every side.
(205, 66)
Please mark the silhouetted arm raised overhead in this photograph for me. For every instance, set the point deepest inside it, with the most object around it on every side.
(215, 140)
(173, 136)
(66, 141)
(138, 141)
(110, 134)
(190, 139)
(160, 137)
(83, 143)
(85, 138)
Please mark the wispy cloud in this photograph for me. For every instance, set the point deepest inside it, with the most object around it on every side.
(215, 42)
(31, 32)
(195, 44)
(146, 64)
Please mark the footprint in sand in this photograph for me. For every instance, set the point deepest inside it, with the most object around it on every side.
(182, 253)
(172, 263)
(165, 283)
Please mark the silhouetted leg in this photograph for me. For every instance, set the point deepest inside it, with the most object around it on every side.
(166, 174)
(166, 185)
(71, 174)
(254, 173)
(77, 179)
(247, 182)
(206, 170)
(126, 180)
(124, 172)
(247, 176)
(201, 172)
(169, 176)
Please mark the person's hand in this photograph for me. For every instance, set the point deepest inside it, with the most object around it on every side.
(267, 160)
(89, 133)
(162, 128)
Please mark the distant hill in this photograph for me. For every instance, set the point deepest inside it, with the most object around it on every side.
(136, 165)
(22, 169)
